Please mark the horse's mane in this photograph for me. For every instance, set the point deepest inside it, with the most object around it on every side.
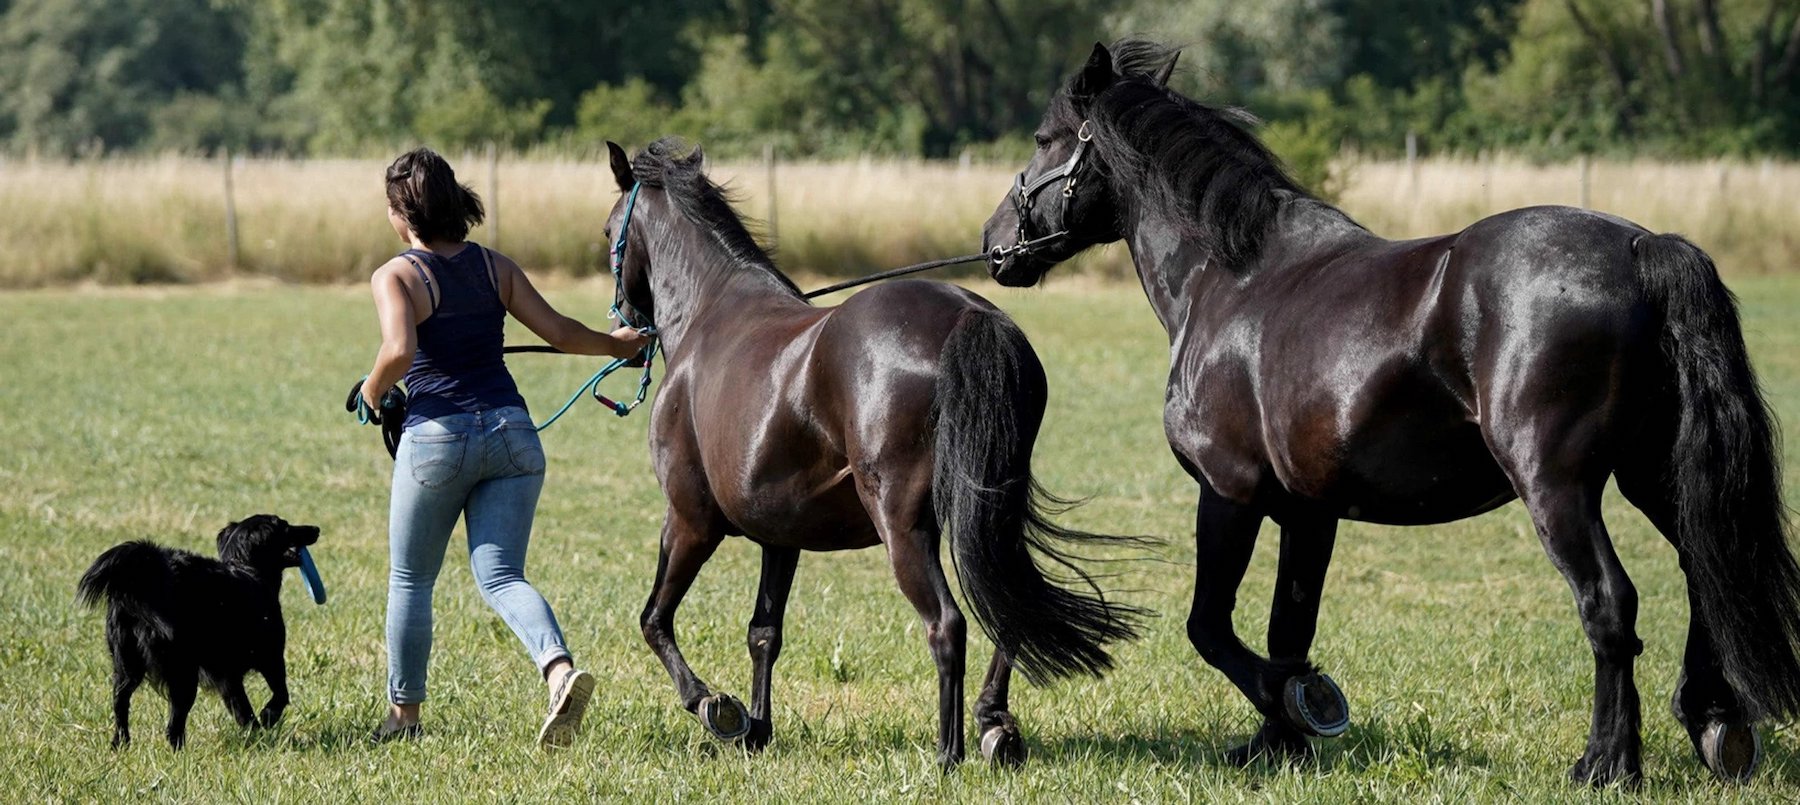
(1196, 161)
(668, 164)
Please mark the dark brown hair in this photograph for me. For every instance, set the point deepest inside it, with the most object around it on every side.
(422, 187)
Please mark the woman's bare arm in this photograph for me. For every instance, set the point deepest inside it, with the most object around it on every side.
(531, 309)
(399, 336)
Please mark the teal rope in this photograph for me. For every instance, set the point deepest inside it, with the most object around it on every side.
(585, 388)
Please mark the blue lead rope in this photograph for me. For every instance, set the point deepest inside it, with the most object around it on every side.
(593, 383)
(649, 353)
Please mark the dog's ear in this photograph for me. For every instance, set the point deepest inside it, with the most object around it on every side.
(238, 541)
(232, 543)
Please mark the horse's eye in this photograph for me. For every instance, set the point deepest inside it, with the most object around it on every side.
(1043, 140)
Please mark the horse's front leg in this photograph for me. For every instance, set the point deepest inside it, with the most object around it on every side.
(686, 545)
(1224, 538)
(778, 566)
(1310, 703)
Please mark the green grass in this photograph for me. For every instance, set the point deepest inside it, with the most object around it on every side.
(165, 413)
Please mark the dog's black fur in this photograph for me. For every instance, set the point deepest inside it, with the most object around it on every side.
(180, 619)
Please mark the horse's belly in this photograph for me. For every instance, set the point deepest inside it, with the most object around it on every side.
(803, 513)
(1416, 481)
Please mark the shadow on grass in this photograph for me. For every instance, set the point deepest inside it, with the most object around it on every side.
(1377, 743)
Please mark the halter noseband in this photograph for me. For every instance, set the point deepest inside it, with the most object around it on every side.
(1023, 194)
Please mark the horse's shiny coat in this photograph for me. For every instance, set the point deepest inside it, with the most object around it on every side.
(907, 412)
(1319, 372)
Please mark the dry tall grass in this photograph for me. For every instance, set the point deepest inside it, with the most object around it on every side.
(163, 219)
(1745, 213)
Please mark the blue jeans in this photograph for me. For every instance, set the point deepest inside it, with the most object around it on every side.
(487, 468)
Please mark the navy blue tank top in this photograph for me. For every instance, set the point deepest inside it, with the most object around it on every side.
(459, 367)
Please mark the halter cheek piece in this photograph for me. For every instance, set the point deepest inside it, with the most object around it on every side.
(618, 267)
(1023, 195)
(618, 314)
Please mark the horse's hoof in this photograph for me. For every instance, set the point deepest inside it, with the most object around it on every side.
(1599, 772)
(1314, 705)
(724, 717)
(1732, 751)
(1003, 746)
(1274, 742)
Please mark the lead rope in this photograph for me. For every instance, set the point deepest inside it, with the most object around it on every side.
(649, 353)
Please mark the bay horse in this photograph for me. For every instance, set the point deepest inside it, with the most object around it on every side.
(1320, 373)
(905, 414)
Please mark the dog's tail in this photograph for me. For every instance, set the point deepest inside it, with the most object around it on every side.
(134, 577)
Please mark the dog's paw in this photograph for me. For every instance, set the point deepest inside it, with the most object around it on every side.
(268, 717)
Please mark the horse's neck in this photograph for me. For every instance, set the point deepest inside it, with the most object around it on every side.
(1178, 269)
(703, 286)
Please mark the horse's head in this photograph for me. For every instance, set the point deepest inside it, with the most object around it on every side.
(630, 250)
(1061, 203)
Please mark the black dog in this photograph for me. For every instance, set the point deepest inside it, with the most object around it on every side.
(179, 619)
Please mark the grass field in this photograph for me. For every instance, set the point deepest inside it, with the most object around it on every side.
(165, 412)
(138, 220)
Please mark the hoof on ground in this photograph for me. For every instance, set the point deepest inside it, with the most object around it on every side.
(1274, 743)
(1003, 747)
(1315, 706)
(724, 717)
(1600, 772)
(1732, 751)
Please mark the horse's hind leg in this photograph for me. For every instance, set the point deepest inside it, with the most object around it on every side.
(1001, 741)
(1704, 702)
(778, 566)
(1567, 515)
(685, 548)
(902, 518)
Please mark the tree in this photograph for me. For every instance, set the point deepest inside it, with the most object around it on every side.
(80, 73)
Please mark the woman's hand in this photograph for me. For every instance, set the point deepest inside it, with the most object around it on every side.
(627, 342)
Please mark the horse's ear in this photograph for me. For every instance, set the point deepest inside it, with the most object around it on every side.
(621, 166)
(1098, 74)
(697, 157)
(1162, 76)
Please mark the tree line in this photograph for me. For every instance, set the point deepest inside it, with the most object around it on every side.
(933, 78)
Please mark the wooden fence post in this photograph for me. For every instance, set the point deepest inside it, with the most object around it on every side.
(231, 226)
(1586, 182)
(1412, 161)
(493, 195)
(769, 166)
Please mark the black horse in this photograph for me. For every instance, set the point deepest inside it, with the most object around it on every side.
(1320, 373)
(906, 413)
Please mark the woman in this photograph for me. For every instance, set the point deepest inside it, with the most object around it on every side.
(469, 447)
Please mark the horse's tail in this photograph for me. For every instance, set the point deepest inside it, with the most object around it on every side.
(1726, 476)
(989, 404)
(134, 577)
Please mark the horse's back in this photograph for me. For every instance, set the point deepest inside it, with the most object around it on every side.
(842, 393)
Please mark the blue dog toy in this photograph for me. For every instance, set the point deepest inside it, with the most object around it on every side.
(309, 573)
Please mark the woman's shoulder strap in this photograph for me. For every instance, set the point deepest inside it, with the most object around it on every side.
(417, 258)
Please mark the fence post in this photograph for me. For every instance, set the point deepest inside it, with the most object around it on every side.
(769, 166)
(231, 227)
(493, 195)
(1412, 161)
(1586, 181)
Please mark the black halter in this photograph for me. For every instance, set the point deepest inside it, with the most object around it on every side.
(1023, 194)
